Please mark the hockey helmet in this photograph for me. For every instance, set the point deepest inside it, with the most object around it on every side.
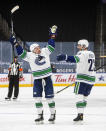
(33, 46)
(84, 43)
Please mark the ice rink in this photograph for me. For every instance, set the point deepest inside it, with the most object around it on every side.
(19, 115)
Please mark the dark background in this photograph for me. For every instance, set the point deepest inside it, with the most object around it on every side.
(76, 19)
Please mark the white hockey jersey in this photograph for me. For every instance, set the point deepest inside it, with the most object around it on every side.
(85, 67)
(40, 64)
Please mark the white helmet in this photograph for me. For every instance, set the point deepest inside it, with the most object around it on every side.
(33, 46)
(83, 42)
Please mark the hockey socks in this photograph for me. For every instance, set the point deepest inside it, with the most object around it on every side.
(51, 105)
(39, 107)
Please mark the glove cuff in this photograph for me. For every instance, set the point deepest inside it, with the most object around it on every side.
(53, 35)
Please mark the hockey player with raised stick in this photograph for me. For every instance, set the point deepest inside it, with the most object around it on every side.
(85, 75)
(41, 69)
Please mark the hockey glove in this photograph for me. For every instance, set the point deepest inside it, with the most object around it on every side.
(13, 40)
(61, 57)
(53, 31)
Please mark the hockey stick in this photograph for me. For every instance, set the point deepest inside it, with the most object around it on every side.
(64, 88)
(74, 83)
(100, 67)
(61, 90)
(12, 26)
(12, 12)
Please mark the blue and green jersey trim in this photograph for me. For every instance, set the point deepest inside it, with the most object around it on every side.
(51, 48)
(42, 72)
(76, 89)
(23, 55)
(77, 59)
(73, 59)
(86, 78)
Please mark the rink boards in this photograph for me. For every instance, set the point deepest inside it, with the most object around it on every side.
(59, 79)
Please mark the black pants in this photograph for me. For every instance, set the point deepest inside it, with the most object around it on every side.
(13, 83)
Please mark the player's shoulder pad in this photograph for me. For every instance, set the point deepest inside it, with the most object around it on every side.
(44, 49)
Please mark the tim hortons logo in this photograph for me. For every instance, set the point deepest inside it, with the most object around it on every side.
(22, 79)
(4, 79)
(61, 78)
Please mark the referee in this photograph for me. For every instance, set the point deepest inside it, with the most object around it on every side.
(15, 73)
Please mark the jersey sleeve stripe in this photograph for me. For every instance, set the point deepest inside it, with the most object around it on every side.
(51, 49)
(23, 55)
(77, 59)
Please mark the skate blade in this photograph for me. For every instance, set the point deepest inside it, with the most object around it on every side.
(78, 122)
(14, 99)
(7, 99)
(52, 122)
(39, 122)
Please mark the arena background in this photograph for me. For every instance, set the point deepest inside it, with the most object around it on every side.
(75, 20)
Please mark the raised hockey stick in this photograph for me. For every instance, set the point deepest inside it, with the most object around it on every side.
(12, 12)
(15, 8)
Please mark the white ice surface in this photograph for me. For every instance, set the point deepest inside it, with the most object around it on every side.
(19, 115)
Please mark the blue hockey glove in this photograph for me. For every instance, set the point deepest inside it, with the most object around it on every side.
(53, 31)
(61, 57)
(13, 40)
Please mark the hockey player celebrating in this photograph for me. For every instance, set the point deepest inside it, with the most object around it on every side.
(85, 75)
(41, 69)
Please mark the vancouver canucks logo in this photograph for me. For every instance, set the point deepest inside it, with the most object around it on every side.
(40, 60)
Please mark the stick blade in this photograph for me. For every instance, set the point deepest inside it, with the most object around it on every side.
(14, 9)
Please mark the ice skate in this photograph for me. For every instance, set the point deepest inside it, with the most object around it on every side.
(7, 98)
(14, 98)
(52, 118)
(79, 119)
(40, 119)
